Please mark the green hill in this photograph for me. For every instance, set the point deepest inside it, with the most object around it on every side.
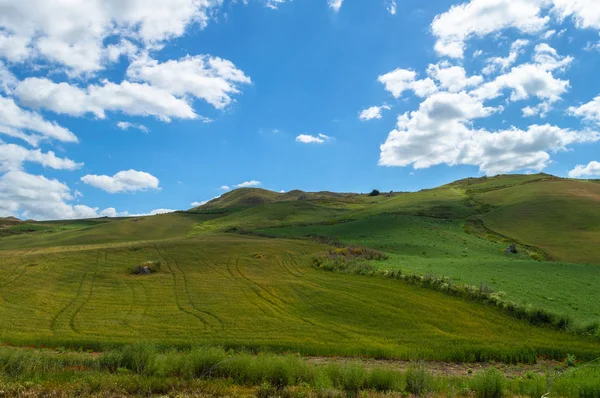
(238, 271)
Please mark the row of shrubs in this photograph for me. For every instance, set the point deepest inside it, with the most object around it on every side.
(276, 373)
(356, 261)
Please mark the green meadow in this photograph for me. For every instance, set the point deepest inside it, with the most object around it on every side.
(239, 273)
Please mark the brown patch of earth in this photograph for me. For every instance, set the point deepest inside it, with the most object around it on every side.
(443, 368)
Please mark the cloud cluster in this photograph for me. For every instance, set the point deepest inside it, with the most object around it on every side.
(445, 129)
(70, 44)
(40, 198)
(479, 18)
(442, 130)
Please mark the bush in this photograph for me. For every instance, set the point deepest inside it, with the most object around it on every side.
(350, 378)
(418, 380)
(139, 358)
(489, 384)
(374, 193)
(381, 379)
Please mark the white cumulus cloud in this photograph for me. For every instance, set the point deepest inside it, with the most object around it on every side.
(313, 139)
(211, 79)
(248, 184)
(123, 181)
(592, 169)
(373, 112)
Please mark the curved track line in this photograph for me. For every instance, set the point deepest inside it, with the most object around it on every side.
(54, 320)
(88, 296)
(177, 301)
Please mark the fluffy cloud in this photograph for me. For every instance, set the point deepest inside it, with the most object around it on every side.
(8, 81)
(225, 187)
(591, 170)
(479, 18)
(248, 184)
(33, 196)
(503, 63)
(441, 132)
(211, 79)
(401, 80)
(589, 111)
(452, 78)
(129, 125)
(430, 135)
(127, 97)
(73, 33)
(373, 112)
(312, 139)
(29, 126)
(335, 5)
(585, 12)
(13, 156)
(531, 79)
(123, 181)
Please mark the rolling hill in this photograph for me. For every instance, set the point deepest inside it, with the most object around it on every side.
(238, 272)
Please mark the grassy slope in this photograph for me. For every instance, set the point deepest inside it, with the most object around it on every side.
(163, 226)
(441, 247)
(215, 289)
(559, 216)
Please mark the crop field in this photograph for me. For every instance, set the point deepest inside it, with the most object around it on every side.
(244, 291)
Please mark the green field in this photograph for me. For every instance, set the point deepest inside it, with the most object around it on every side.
(238, 273)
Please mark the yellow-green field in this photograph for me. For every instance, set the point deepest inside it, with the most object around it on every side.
(243, 291)
(239, 272)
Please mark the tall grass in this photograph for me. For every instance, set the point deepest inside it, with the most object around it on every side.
(144, 369)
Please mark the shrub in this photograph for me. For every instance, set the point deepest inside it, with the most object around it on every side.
(139, 358)
(374, 193)
(350, 378)
(381, 379)
(418, 380)
(489, 384)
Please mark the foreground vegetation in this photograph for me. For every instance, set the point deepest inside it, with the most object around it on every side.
(142, 369)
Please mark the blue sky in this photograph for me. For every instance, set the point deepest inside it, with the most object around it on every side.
(129, 107)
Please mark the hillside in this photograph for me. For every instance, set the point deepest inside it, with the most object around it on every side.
(233, 271)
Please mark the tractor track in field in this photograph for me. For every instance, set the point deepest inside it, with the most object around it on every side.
(135, 298)
(89, 293)
(280, 309)
(209, 263)
(55, 318)
(246, 295)
(189, 294)
(288, 268)
(175, 293)
(15, 276)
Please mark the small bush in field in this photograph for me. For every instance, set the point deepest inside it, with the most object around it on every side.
(489, 384)
(374, 193)
(418, 380)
